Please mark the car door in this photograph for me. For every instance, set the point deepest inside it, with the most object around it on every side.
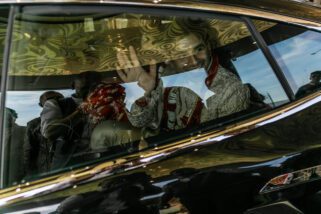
(127, 109)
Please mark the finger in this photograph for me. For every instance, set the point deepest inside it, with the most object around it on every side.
(121, 74)
(120, 58)
(127, 61)
(152, 68)
(123, 60)
(133, 56)
(124, 72)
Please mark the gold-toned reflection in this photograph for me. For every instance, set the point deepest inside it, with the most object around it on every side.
(64, 45)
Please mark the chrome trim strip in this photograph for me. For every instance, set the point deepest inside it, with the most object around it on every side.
(5, 69)
(275, 206)
(41, 209)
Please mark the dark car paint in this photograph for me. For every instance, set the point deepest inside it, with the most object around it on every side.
(215, 178)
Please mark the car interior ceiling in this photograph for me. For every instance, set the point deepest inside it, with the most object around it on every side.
(226, 54)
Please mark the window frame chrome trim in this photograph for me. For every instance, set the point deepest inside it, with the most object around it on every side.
(4, 90)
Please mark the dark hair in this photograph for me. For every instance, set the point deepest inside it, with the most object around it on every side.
(49, 95)
(199, 27)
(316, 73)
(10, 112)
(90, 77)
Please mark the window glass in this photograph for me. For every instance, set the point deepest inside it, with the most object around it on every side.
(297, 51)
(86, 88)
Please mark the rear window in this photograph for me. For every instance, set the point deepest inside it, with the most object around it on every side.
(297, 51)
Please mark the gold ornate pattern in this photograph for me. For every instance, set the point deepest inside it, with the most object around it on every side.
(3, 30)
(65, 48)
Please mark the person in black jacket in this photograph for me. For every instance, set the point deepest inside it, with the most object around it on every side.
(311, 87)
(37, 157)
(13, 140)
(63, 123)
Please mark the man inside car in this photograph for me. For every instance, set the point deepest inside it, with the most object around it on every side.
(172, 108)
(311, 87)
(37, 149)
(63, 122)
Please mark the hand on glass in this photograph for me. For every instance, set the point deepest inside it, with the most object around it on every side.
(133, 72)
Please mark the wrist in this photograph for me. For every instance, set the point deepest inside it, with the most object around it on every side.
(148, 93)
(152, 88)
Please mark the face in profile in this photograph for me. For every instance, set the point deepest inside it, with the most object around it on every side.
(10, 117)
(315, 78)
(81, 88)
(48, 96)
(196, 54)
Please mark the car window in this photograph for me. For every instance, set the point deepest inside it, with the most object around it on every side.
(87, 87)
(297, 51)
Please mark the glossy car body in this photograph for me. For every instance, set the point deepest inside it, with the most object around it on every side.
(264, 163)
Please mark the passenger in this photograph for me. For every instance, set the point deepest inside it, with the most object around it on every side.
(37, 149)
(178, 107)
(14, 142)
(105, 109)
(311, 87)
(63, 123)
(105, 102)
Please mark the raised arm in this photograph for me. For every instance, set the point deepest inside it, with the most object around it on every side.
(147, 110)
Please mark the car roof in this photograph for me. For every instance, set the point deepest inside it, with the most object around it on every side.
(282, 7)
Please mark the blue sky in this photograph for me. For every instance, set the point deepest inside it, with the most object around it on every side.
(300, 56)
(253, 68)
(297, 56)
